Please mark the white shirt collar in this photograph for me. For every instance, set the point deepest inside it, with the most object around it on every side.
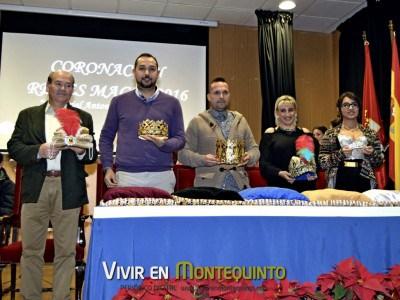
(149, 99)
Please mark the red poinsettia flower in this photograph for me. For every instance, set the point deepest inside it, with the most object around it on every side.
(392, 281)
(395, 271)
(356, 278)
(244, 289)
(287, 290)
(200, 288)
(179, 289)
(270, 289)
(385, 280)
(154, 289)
(216, 289)
(234, 290)
(122, 294)
(307, 289)
(345, 271)
(291, 289)
(394, 275)
(326, 282)
(349, 280)
(367, 282)
(137, 293)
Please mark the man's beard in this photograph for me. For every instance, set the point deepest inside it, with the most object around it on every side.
(149, 84)
(221, 106)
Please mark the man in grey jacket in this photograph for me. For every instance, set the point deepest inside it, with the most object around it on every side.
(218, 123)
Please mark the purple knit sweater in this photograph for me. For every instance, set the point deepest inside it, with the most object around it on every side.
(133, 154)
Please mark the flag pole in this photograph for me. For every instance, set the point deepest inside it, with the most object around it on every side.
(394, 131)
(391, 30)
(371, 117)
(366, 120)
(391, 27)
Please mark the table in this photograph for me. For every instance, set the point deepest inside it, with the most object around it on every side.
(307, 241)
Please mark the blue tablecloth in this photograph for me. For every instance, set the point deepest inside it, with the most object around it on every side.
(306, 241)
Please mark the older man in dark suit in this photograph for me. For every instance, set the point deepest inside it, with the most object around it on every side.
(53, 187)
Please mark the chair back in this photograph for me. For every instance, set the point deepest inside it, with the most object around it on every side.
(101, 186)
(16, 217)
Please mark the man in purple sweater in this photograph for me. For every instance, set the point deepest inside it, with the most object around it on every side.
(145, 160)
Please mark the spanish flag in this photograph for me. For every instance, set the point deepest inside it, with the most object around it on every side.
(394, 131)
(371, 116)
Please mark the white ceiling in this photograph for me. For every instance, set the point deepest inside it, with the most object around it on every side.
(309, 15)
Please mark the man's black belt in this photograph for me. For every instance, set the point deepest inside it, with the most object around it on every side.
(53, 173)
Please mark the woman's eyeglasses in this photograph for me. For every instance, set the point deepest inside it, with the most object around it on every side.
(350, 105)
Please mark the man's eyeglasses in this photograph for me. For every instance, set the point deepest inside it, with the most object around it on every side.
(350, 105)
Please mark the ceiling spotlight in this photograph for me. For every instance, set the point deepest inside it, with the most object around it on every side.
(287, 5)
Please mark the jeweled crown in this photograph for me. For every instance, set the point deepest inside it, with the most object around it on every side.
(230, 151)
(152, 127)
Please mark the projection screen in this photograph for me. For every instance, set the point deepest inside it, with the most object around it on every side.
(102, 70)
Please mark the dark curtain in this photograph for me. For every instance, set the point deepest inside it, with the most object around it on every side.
(374, 20)
(275, 48)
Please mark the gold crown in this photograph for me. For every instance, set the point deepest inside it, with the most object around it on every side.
(151, 127)
(230, 151)
(298, 167)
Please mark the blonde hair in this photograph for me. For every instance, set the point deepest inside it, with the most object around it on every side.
(284, 99)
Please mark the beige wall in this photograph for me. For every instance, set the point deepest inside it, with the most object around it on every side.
(316, 57)
(233, 54)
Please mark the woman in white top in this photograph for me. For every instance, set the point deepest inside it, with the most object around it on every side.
(350, 151)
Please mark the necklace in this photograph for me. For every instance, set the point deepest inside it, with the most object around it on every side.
(354, 132)
(288, 129)
(349, 128)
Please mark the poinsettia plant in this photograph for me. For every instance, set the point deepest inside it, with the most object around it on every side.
(349, 280)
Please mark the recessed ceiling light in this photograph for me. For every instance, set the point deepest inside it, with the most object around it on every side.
(287, 5)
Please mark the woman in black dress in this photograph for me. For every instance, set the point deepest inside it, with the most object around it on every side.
(278, 146)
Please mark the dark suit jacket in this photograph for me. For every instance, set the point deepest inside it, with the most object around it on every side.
(7, 190)
(28, 135)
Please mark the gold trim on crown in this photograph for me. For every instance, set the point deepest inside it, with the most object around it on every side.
(298, 167)
(152, 127)
(230, 151)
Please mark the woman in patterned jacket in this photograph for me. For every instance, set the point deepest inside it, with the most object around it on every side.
(349, 151)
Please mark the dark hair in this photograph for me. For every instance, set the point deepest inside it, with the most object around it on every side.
(1, 157)
(339, 102)
(320, 128)
(216, 79)
(50, 77)
(145, 55)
